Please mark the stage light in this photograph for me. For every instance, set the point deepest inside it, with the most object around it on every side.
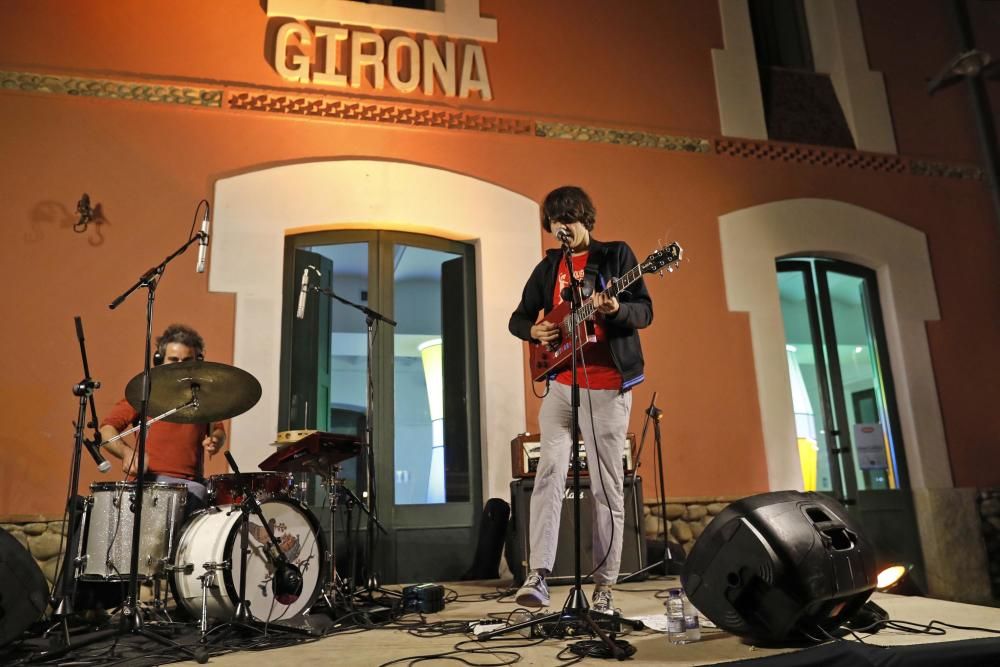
(780, 566)
(898, 580)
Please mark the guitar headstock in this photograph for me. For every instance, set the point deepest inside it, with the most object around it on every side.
(668, 257)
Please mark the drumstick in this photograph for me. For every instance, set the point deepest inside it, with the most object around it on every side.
(148, 423)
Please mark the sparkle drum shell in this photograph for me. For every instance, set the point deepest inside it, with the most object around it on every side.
(106, 540)
(213, 536)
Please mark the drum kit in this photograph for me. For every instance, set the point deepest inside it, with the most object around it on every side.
(256, 552)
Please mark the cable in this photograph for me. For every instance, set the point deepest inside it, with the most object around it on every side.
(595, 648)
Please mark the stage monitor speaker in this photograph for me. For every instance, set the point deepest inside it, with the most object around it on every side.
(518, 547)
(780, 566)
(24, 594)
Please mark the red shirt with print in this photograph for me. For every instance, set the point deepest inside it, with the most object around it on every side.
(600, 367)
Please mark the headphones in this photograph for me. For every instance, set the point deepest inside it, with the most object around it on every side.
(160, 356)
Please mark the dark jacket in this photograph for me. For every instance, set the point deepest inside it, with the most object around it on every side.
(605, 262)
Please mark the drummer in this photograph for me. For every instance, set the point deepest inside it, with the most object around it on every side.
(175, 453)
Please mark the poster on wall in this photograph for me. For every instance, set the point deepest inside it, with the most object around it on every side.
(869, 442)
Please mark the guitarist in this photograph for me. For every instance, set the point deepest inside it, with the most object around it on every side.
(608, 370)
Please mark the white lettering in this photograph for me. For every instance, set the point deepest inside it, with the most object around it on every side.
(360, 59)
(410, 64)
(299, 71)
(473, 58)
(329, 76)
(434, 66)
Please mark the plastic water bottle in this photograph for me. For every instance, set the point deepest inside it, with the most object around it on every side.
(675, 616)
(692, 628)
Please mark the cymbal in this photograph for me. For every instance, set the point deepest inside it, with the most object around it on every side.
(222, 391)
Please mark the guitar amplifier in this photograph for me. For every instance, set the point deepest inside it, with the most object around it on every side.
(518, 547)
(525, 451)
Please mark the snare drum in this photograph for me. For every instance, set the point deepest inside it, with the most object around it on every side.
(212, 536)
(224, 490)
(106, 539)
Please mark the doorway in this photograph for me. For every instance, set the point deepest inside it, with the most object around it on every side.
(848, 441)
(425, 458)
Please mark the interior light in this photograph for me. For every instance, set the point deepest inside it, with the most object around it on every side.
(858, 350)
(791, 348)
(431, 356)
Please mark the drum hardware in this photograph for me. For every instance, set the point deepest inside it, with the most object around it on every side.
(335, 585)
(208, 581)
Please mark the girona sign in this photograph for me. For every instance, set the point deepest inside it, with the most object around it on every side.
(439, 49)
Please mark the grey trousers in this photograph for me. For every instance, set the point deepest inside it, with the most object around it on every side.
(610, 409)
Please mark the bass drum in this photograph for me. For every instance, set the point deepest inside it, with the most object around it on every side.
(213, 536)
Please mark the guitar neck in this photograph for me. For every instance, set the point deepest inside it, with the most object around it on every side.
(617, 287)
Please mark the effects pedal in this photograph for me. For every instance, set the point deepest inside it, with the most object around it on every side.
(424, 598)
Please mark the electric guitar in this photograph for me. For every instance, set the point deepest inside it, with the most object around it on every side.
(548, 358)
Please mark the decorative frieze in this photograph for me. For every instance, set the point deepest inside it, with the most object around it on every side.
(819, 156)
(945, 170)
(291, 103)
(604, 135)
(118, 90)
(322, 106)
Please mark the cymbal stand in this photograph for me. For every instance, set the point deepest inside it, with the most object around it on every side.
(372, 318)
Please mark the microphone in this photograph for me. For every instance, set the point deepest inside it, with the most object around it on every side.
(202, 244)
(95, 453)
(564, 236)
(300, 312)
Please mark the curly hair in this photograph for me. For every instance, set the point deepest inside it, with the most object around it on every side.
(568, 204)
(183, 334)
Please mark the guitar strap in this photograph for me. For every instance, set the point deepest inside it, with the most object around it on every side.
(592, 279)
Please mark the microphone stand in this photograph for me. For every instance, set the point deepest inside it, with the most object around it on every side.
(65, 589)
(287, 577)
(655, 414)
(131, 618)
(372, 319)
(576, 609)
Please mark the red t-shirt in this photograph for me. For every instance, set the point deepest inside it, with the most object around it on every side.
(601, 372)
(171, 449)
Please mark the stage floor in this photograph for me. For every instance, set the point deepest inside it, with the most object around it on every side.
(378, 646)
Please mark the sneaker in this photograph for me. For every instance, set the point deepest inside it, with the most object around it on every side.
(602, 601)
(534, 592)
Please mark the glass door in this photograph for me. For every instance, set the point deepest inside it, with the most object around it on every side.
(846, 426)
(425, 463)
(848, 440)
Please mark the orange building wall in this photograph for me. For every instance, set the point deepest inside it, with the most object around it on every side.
(148, 165)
